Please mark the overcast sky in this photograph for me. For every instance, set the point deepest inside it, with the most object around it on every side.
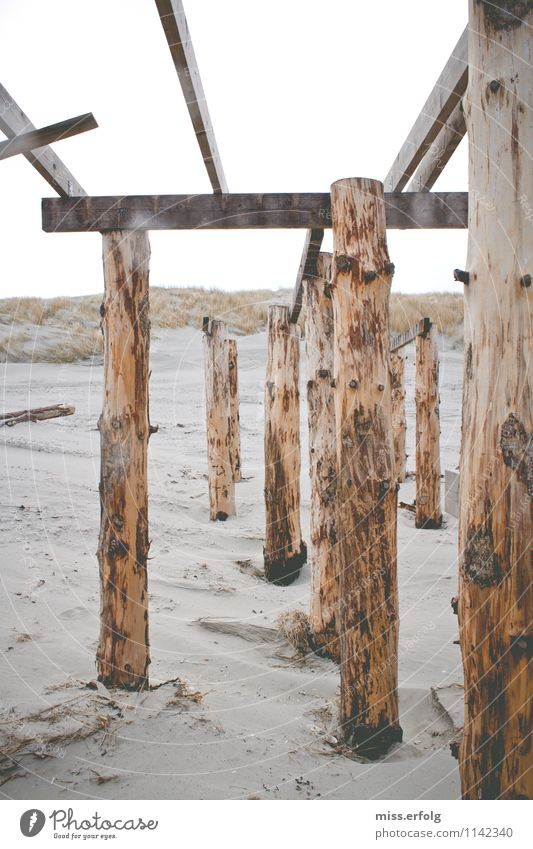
(301, 93)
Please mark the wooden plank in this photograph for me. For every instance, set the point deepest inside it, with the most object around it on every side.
(13, 121)
(440, 153)
(179, 41)
(448, 91)
(399, 340)
(307, 269)
(404, 211)
(26, 142)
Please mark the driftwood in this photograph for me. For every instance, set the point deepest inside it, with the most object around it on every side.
(428, 509)
(37, 414)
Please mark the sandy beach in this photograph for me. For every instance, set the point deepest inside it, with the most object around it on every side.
(239, 713)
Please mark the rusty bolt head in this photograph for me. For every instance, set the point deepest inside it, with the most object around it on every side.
(461, 276)
(526, 281)
(369, 276)
(353, 384)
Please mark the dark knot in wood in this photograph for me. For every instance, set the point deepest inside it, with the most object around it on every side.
(455, 604)
(324, 372)
(116, 424)
(343, 263)
(494, 85)
(370, 276)
(381, 387)
(353, 384)
(525, 281)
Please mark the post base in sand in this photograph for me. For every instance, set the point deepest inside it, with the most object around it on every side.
(284, 571)
(371, 743)
(429, 524)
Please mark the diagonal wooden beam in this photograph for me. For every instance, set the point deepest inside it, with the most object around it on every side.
(312, 245)
(26, 142)
(448, 91)
(440, 153)
(176, 30)
(13, 122)
(306, 211)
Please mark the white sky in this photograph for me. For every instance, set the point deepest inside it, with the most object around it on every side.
(301, 93)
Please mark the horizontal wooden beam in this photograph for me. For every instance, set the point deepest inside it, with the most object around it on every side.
(26, 142)
(307, 268)
(311, 211)
(448, 91)
(440, 153)
(419, 329)
(13, 122)
(179, 41)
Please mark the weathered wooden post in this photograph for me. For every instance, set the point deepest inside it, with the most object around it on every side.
(496, 483)
(235, 426)
(284, 551)
(323, 550)
(218, 419)
(366, 472)
(123, 652)
(428, 509)
(399, 421)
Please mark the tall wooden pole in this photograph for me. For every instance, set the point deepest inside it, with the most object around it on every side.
(496, 489)
(399, 421)
(218, 420)
(123, 652)
(235, 426)
(284, 551)
(366, 476)
(428, 509)
(323, 550)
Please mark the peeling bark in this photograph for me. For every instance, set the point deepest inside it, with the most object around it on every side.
(496, 515)
(428, 509)
(323, 549)
(123, 651)
(235, 425)
(366, 469)
(284, 551)
(218, 419)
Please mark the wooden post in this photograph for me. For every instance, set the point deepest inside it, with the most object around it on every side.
(496, 483)
(284, 551)
(235, 427)
(366, 476)
(399, 421)
(123, 652)
(218, 415)
(428, 509)
(323, 559)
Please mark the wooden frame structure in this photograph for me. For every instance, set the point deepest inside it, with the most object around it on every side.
(495, 606)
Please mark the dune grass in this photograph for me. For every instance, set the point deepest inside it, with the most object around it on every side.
(68, 329)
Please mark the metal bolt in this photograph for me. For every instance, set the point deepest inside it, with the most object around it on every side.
(354, 384)
(381, 387)
(526, 281)
(370, 276)
(461, 276)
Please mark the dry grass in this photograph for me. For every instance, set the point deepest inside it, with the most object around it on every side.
(294, 627)
(62, 330)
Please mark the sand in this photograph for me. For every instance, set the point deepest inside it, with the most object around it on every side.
(242, 714)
